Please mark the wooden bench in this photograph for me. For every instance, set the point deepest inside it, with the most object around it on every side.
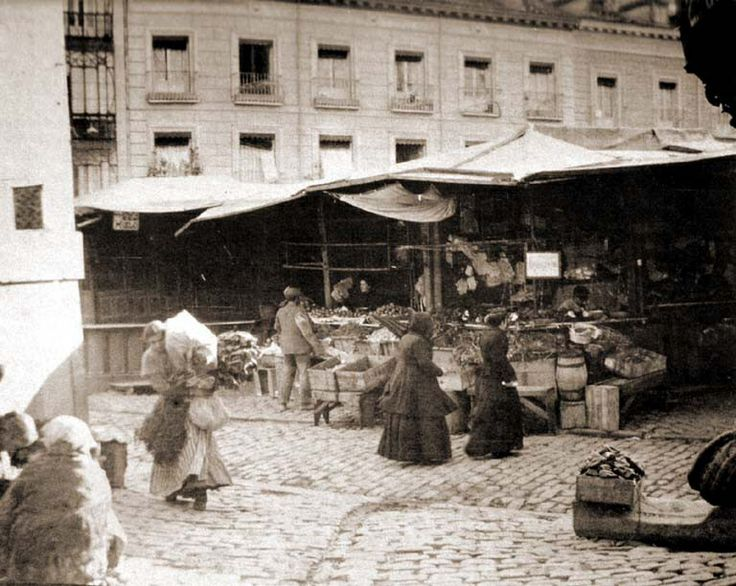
(546, 395)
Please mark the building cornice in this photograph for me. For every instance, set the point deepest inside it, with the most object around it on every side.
(464, 11)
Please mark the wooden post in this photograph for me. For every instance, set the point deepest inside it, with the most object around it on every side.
(427, 268)
(325, 254)
(436, 265)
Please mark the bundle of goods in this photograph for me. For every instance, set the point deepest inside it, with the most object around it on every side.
(608, 462)
(466, 351)
(237, 357)
(393, 310)
(391, 324)
(633, 362)
(713, 474)
(525, 346)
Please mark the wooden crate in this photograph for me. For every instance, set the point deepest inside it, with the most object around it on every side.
(536, 373)
(367, 348)
(364, 374)
(321, 376)
(602, 403)
(443, 358)
(388, 347)
(610, 491)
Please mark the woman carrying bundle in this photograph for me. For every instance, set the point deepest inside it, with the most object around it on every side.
(178, 433)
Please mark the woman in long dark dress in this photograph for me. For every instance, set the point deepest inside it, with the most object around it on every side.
(413, 404)
(496, 420)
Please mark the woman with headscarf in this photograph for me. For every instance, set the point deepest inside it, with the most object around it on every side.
(496, 422)
(413, 404)
(57, 525)
(178, 433)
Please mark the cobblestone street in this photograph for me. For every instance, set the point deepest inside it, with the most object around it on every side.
(316, 505)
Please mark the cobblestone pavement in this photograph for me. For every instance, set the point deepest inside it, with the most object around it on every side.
(316, 505)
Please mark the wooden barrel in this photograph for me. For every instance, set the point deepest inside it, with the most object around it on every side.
(572, 376)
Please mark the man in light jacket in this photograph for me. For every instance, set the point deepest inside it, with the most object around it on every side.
(298, 343)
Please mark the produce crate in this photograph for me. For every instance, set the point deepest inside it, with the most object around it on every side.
(365, 374)
(321, 376)
(536, 373)
(367, 348)
(344, 343)
(444, 358)
(609, 491)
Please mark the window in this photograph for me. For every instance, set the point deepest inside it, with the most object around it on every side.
(667, 103)
(411, 90)
(334, 83)
(257, 158)
(408, 150)
(256, 68)
(173, 154)
(605, 112)
(172, 70)
(335, 157)
(28, 208)
(477, 90)
(542, 91)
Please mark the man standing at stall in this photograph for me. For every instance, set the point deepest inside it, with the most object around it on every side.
(298, 344)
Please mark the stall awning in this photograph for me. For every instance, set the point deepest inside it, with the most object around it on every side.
(526, 156)
(160, 195)
(397, 202)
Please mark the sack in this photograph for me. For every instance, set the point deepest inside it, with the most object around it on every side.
(190, 344)
(208, 413)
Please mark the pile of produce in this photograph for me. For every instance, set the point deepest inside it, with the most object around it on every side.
(633, 362)
(324, 312)
(383, 335)
(524, 346)
(237, 357)
(448, 335)
(393, 310)
(466, 351)
(608, 462)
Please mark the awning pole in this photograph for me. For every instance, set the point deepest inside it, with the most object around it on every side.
(427, 269)
(325, 254)
(437, 264)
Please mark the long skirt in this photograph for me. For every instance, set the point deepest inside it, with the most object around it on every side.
(496, 424)
(198, 466)
(415, 439)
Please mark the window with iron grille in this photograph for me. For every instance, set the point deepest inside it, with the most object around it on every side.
(335, 156)
(173, 154)
(606, 105)
(542, 91)
(171, 65)
(667, 103)
(409, 72)
(28, 207)
(255, 67)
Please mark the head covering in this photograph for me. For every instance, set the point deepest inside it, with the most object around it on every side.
(292, 293)
(421, 323)
(495, 317)
(494, 344)
(17, 430)
(70, 432)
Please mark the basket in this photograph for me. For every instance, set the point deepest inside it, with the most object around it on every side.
(365, 374)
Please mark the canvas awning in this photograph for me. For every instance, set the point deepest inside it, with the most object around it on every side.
(160, 195)
(397, 202)
(526, 156)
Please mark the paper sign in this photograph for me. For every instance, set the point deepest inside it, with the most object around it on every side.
(543, 265)
(127, 221)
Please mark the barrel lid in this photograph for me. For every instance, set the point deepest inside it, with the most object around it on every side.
(569, 354)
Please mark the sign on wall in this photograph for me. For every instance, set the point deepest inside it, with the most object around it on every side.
(543, 265)
(126, 221)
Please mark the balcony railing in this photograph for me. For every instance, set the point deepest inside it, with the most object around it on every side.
(413, 100)
(257, 88)
(89, 25)
(335, 93)
(543, 107)
(171, 86)
(476, 101)
(93, 126)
